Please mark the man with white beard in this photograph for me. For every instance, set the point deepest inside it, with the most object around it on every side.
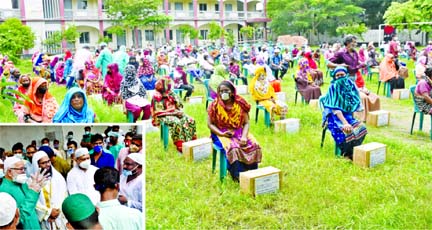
(81, 177)
(52, 194)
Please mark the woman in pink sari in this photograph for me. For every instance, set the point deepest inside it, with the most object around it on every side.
(317, 75)
(111, 87)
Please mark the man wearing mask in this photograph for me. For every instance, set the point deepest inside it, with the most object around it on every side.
(131, 181)
(53, 193)
(134, 147)
(24, 191)
(61, 165)
(113, 215)
(100, 158)
(81, 178)
(71, 148)
(58, 150)
(86, 140)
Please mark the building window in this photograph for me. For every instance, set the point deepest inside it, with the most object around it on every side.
(84, 37)
(68, 4)
(108, 35)
(203, 7)
(149, 35)
(51, 9)
(179, 36)
(228, 7)
(216, 7)
(203, 34)
(15, 4)
(191, 6)
(82, 4)
(178, 6)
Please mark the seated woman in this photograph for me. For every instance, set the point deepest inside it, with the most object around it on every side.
(420, 68)
(305, 84)
(340, 102)
(264, 94)
(111, 87)
(370, 101)
(372, 56)
(180, 80)
(74, 108)
(228, 121)
(423, 92)
(234, 71)
(219, 75)
(166, 107)
(24, 87)
(92, 78)
(146, 74)
(389, 73)
(270, 78)
(316, 74)
(133, 94)
(162, 62)
(41, 107)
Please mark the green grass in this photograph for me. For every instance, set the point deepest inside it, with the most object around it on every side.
(103, 112)
(318, 191)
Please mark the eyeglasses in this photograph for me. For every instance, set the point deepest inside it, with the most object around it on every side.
(19, 169)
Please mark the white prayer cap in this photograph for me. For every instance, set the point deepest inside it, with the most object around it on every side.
(137, 157)
(8, 210)
(9, 162)
(81, 151)
(277, 50)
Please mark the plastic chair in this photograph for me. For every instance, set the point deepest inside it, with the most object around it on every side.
(337, 150)
(223, 166)
(207, 89)
(417, 110)
(371, 72)
(179, 92)
(130, 117)
(267, 120)
(387, 89)
(297, 92)
(164, 134)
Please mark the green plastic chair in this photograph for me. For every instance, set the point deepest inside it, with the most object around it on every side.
(207, 89)
(297, 92)
(267, 120)
(387, 89)
(222, 162)
(371, 73)
(130, 117)
(417, 110)
(337, 150)
(164, 135)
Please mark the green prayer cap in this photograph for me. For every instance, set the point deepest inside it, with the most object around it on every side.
(77, 207)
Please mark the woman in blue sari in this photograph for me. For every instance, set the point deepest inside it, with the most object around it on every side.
(74, 108)
(340, 102)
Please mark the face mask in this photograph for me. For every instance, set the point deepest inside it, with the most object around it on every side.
(56, 146)
(42, 90)
(87, 132)
(133, 148)
(19, 155)
(1, 173)
(20, 178)
(225, 96)
(85, 164)
(26, 85)
(126, 172)
(70, 152)
(69, 137)
(97, 148)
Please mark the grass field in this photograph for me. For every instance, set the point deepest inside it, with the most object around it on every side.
(104, 113)
(318, 191)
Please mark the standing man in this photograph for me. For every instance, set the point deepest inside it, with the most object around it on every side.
(25, 194)
(276, 63)
(99, 157)
(131, 181)
(105, 58)
(113, 145)
(113, 215)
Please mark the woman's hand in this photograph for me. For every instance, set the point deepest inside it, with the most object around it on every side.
(347, 128)
(243, 141)
(228, 134)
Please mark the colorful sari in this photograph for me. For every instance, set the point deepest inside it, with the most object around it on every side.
(304, 82)
(343, 96)
(39, 111)
(92, 79)
(112, 83)
(317, 75)
(262, 92)
(163, 106)
(67, 114)
(240, 158)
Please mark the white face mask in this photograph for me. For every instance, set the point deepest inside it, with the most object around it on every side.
(85, 164)
(225, 96)
(19, 155)
(20, 178)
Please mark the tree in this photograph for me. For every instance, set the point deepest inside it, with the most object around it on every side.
(229, 38)
(157, 22)
(355, 29)
(15, 37)
(247, 32)
(374, 11)
(189, 31)
(311, 16)
(69, 35)
(399, 13)
(215, 32)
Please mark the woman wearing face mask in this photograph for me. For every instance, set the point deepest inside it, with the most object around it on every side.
(340, 102)
(228, 121)
(423, 92)
(41, 107)
(262, 92)
(24, 87)
(166, 107)
(74, 108)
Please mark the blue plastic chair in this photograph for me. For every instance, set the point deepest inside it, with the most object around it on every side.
(337, 150)
(207, 89)
(267, 119)
(164, 135)
(387, 89)
(417, 110)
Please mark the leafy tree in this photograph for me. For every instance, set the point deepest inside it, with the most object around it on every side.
(311, 16)
(157, 22)
(399, 13)
(69, 35)
(229, 38)
(189, 31)
(129, 14)
(247, 32)
(374, 11)
(215, 32)
(15, 37)
(355, 29)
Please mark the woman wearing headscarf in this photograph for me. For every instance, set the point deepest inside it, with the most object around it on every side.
(263, 93)
(41, 107)
(92, 78)
(305, 85)
(24, 87)
(133, 94)
(340, 102)
(420, 67)
(260, 62)
(59, 72)
(316, 74)
(180, 80)
(146, 74)
(166, 107)
(74, 108)
(111, 87)
(423, 92)
(389, 73)
(228, 121)
(372, 56)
